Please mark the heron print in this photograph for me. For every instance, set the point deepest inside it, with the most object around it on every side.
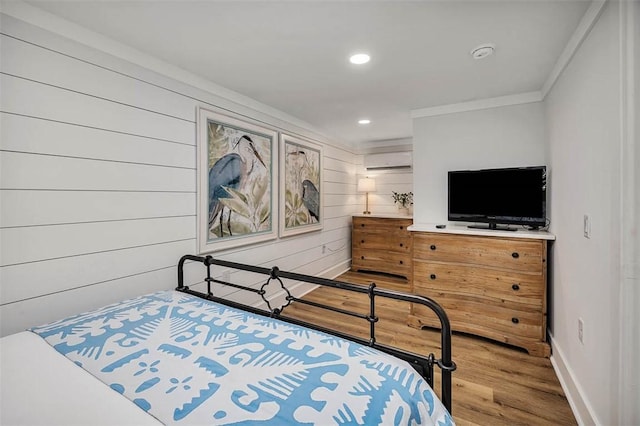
(239, 181)
(302, 203)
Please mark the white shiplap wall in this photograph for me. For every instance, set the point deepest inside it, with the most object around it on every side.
(98, 182)
(387, 181)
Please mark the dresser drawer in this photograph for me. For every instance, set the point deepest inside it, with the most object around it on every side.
(381, 261)
(381, 226)
(381, 241)
(483, 283)
(493, 320)
(506, 253)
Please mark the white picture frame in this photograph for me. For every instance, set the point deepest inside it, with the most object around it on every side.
(237, 178)
(301, 186)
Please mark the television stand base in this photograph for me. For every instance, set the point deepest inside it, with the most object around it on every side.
(492, 226)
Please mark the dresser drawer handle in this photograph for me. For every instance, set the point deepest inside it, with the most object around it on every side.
(401, 262)
(401, 245)
(433, 276)
(433, 247)
(402, 227)
(362, 224)
(515, 287)
(515, 320)
(515, 255)
(362, 241)
(362, 257)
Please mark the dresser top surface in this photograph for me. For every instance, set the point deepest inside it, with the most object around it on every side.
(463, 230)
(385, 216)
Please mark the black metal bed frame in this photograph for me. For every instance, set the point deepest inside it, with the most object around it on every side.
(423, 365)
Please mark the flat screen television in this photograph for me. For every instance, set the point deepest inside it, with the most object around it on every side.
(499, 196)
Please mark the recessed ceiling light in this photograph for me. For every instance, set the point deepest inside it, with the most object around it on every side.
(483, 51)
(364, 121)
(359, 58)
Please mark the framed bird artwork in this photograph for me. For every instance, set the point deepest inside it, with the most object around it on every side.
(237, 182)
(300, 186)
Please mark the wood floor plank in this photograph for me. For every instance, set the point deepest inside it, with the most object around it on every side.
(494, 384)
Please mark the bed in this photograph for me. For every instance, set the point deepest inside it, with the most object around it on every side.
(189, 357)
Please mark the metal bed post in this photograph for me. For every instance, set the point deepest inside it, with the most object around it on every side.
(372, 315)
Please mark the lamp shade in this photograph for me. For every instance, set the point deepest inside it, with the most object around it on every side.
(366, 185)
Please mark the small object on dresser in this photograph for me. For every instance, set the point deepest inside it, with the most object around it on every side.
(403, 201)
(441, 226)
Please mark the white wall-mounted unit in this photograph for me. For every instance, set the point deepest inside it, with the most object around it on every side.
(388, 161)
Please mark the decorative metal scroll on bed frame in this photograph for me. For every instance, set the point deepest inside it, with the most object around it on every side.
(424, 365)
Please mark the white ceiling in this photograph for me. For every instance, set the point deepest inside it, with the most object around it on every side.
(293, 55)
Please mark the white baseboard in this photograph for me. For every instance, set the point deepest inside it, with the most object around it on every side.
(578, 402)
(336, 270)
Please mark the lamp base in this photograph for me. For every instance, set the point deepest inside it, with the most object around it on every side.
(366, 206)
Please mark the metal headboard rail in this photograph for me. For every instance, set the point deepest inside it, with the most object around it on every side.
(424, 365)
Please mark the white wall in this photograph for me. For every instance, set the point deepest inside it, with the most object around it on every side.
(509, 136)
(584, 115)
(629, 369)
(98, 181)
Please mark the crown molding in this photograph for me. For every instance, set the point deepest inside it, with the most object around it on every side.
(579, 35)
(500, 101)
(387, 145)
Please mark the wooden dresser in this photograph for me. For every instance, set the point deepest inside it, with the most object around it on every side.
(381, 244)
(492, 285)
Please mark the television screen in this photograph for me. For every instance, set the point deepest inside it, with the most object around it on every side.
(508, 196)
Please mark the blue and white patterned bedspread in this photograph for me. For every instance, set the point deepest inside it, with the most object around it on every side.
(185, 360)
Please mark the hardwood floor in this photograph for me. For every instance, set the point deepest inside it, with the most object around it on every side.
(493, 385)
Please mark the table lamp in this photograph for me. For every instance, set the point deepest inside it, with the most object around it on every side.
(366, 185)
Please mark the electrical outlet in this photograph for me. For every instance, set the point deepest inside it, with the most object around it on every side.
(581, 330)
(587, 226)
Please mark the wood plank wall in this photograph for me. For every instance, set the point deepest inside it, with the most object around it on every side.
(98, 182)
(387, 181)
